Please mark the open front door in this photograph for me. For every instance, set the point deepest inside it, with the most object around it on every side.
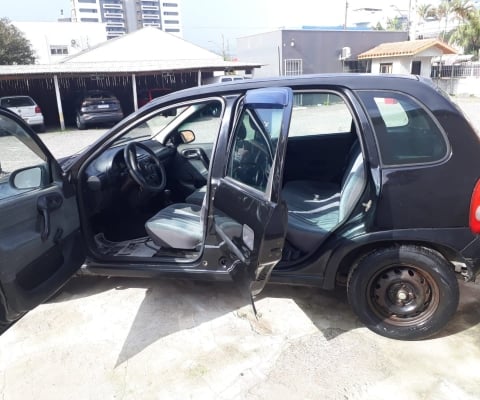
(250, 217)
(40, 242)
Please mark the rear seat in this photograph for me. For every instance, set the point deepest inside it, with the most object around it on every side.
(315, 208)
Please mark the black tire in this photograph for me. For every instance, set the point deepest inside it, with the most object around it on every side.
(80, 125)
(404, 292)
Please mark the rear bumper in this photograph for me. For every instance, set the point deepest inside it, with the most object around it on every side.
(34, 120)
(471, 255)
(473, 269)
(99, 118)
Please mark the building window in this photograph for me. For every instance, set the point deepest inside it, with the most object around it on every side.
(170, 22)
(416, 67)
(88, 1)
(386, 68)
(170, 13)
(172, 30)
(293, 66)
(88, 10)
(56, 50)
(89, 20)
(170, 4)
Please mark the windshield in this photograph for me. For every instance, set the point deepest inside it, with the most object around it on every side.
(201, 118)
(154, 126)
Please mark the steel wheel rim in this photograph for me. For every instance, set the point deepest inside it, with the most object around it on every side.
(403, 294)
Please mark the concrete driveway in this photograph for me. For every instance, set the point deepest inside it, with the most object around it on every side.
(149, 339)
(128, 339)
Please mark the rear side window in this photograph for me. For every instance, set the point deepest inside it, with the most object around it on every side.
(17, 102)
(319, 113)
(406, 132)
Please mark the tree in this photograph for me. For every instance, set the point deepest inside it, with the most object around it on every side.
(467, 34)
(394, 24)
(14, 47)
(425, 11)
(462, 8)
(443, 13)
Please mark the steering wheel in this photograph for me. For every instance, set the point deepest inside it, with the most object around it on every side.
(148, 173)
(252, 166)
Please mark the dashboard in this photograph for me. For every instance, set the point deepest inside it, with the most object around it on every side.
(107, 177)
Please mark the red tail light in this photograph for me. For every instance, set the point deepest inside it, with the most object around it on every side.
(38, 110)
(475, 210)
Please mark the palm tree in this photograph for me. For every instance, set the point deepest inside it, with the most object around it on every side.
(467, 34)
(394, 24)
(443, 11)
(425, 10)
(462, 8)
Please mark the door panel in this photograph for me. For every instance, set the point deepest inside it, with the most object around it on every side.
(249, 216)
(253, 231)
(191, 166)
(40, 243)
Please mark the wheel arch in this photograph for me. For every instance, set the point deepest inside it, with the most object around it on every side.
(341, 263)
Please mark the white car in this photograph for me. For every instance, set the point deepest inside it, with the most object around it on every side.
(26, 107)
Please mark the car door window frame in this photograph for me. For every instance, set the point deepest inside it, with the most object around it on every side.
(367, 98)
(43, 162)
(267, 194)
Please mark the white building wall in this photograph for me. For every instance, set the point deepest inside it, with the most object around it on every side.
(121, 17)
(469, 86)
(266, 47)
(86, 12)
(171, 18)
(403, 65)
(399, 66)
(53, 41)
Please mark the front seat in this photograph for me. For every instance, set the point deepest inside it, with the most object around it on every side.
(197, 196)
(178, 226)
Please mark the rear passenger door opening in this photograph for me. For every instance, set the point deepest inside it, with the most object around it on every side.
(325, 173)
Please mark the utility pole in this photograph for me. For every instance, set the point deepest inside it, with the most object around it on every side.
(346, 14)
(412, 19)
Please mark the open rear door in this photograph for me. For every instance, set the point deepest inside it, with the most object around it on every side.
(40, 242)
(249, 215)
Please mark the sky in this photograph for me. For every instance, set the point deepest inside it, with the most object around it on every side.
(215, 24)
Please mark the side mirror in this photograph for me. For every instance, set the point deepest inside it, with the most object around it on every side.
(27, 178)
(187, 136)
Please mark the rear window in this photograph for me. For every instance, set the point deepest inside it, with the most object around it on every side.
(23, 101)
(406, 132)
(99, 96)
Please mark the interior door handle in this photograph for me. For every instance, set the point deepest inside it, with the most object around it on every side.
(191, 153)
(196, 154)
(46, 204)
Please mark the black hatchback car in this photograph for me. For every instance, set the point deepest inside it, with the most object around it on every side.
(358, 180)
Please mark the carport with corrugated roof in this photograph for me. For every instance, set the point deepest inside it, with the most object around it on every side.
(126, 66)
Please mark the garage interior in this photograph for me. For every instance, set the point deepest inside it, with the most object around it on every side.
(71, 86)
